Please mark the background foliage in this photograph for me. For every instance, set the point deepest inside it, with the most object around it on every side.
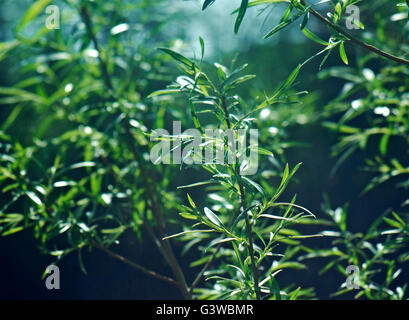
(78, 105)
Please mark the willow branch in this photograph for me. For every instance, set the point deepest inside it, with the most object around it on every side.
(250, 245)
(244, 206)
(355, 40)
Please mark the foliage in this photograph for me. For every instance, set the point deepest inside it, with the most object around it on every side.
(82, 107)
(246, 206)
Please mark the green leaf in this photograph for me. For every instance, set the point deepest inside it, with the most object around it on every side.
(260, 2)
(283, 24)
(34, 198)
(289, 265)
(240, 16)
(12, 230)
(12, 218)
(264, 152)
(80, 260)
(325, 58)
(200, 261)
(195, 184)
(220, 72)
(212, 217)
(254, 185)
(83, 164)
(277, 28)
(195, 118)
(337, 12)
(240, 215)
(314, 37)
(342, 53)
(15, 95)
(274, 217)
(178, 57)
(238, 269)
(286, 179)
(242, 79)
(398, 218)
(31, 13)
(295, 293)
(304, 21)
(275, 286)
(287, 13)
(219, 241)
(383, 144)
(236, 71)
(186, 232)
(114, 230)
(5, 47)
(358, 23)
(202, 46)
(61, 184)
(187, 215)
(288, 82)
(191, 201)
(207, 3)
(392, 223)
(163, 92)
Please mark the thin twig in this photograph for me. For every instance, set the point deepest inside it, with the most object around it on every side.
(204, 269)
(135, 265)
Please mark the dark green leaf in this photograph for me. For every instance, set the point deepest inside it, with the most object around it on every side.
(207, 3)
(240, 16)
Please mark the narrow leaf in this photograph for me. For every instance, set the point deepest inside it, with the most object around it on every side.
(191, 201)
(288, 82)
(212, 217)
(207, 3)
(186, 232)
(240, 16)
(32, 12)
(202, 47)
(314, 37)
(178, 57)
(342, 53)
